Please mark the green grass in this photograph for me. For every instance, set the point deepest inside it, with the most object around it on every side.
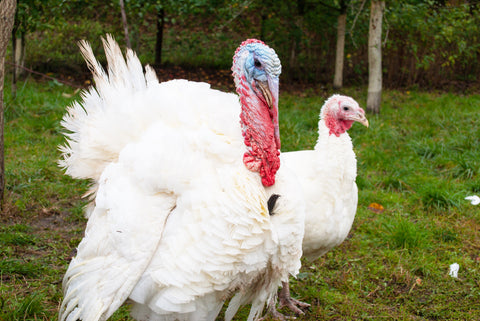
(418, 159)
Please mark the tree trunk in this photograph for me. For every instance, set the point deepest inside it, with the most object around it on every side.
(301, 7)
(339, 57)
(375, 57)
(14, 56)
(20, 54)
(7, 17)
(18, 58)
(125, 25)
(293, 56)
(159, 41)
(263, 18)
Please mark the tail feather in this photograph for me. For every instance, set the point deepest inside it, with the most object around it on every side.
(150, 76)
(258, 303)
(94, 66)
(233, 306)
(126, 101)
(123, 73)
(101, 125)
(256, 310)
(117, 68)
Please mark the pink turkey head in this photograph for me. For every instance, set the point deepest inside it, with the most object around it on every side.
(340, 112)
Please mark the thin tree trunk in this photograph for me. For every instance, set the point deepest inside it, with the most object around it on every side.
(293, 55)
(375, 57)
(7, 17)
(19, 58)
(125, 25)
(339, 57)
(263, 18)
(14, 56)
(159, 41)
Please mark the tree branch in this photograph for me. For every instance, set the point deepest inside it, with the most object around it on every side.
(329, 6)
(355, 21)
(45, 76)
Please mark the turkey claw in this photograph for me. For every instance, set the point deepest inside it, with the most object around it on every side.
(273, 314)
(295, 306)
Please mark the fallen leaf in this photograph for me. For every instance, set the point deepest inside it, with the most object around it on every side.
(376, 208)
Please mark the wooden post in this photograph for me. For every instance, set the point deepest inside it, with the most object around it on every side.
(339, 56)
(375, 57)
(125, 25)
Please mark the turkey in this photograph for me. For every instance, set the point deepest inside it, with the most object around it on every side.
(188, 204)
(327, 176)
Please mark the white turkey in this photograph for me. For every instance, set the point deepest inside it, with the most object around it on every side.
(327, 175)
(179, 219)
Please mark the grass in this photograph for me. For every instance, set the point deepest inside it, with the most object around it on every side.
(418, 159)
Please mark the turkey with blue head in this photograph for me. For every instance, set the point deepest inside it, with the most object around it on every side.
(181, 177)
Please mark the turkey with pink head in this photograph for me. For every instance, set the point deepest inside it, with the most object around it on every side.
(327, 176)
(179, 216)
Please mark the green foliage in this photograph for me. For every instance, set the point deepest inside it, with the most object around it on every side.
(426, 43)
(441, 41)
(50, 44)
(32, 15)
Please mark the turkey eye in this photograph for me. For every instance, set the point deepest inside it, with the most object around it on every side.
(257, 63)
(345, 108)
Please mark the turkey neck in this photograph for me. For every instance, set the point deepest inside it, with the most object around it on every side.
(336, 158)
(259, 134)
(338, 149)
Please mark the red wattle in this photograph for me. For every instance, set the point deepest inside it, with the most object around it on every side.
(258, 129)
(337, 126)
(259, 133)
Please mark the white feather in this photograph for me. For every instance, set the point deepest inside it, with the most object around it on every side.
(178, 224)
(327, 176)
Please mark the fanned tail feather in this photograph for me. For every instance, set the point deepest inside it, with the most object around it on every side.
(103, 123)
(99, 75)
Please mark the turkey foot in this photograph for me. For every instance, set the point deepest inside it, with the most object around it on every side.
(285, 300)
(272, 313)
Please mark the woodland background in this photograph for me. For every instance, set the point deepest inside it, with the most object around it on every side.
(427, 44)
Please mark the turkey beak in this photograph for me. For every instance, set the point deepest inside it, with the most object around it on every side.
(360, 117)
(364, 122)
(269, 90)
(264, 88)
